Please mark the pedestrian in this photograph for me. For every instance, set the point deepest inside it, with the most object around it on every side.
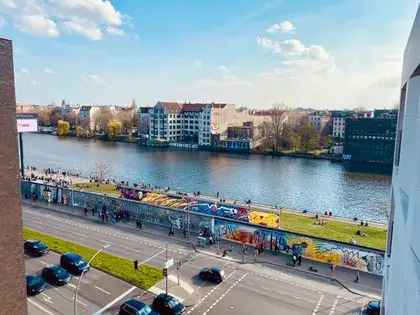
(299, 260)
(86, 211)
(136, 265)
(93, 211)
(294, 260)
(184, 231)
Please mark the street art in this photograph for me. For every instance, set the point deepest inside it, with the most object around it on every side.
(311, 248)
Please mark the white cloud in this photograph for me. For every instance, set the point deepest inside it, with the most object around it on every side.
(97, 80)
(49, 71)
(115, 31)
(223, 78)
(283, 27)
(296, 55)
(84, 28)
(37, 25)
(49, 18)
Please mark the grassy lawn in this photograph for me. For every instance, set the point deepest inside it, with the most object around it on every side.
(109, 189)
(334, 230)
(146, 277)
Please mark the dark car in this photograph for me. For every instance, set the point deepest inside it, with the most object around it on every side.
(167, 305)
(34, 285)
(135, 307)
(373, 308)
(214, 275)
(73, 263)
(35, 248)
(56, 275)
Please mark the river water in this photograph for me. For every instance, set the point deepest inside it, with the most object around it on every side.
(303, 184)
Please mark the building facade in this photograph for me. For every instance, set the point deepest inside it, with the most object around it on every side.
(203, 124)
(319, 120)
(338, 119)
(87, 116)
(370, 140)
(12, 266)
(143, 128)
(402, 269)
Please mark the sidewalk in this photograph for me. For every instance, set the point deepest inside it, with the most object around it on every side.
(345, 277)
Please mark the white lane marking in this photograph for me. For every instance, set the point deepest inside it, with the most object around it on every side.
(183, 284)
(151, 257)
(43, 262)
(209, 293)
(81, 303)
(334, 305)
(40, 307)
(117, 299)
(318, 305)
(225, 293)
(46, 298)
(71, 285)
(102, 290)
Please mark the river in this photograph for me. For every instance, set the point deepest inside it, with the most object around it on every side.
(303, 184)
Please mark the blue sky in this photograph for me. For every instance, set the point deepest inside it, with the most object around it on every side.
(335, 54)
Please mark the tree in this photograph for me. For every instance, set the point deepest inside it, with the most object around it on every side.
(102, 170)
(55, 116)
(102, 117)
(63, 128)
(71, 117)
(125, 117)
(114, 128)
(309, 138)
(277, 122)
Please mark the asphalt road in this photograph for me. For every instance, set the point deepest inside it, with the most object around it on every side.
(97, 289)
(247, 289)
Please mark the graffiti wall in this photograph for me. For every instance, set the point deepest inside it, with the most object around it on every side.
(311, 248)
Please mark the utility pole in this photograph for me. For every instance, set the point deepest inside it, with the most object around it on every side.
(22, 167)
(166, 277)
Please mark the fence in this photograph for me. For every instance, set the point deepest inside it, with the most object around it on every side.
(338, 253)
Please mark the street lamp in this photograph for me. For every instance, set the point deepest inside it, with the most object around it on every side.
(81, 276)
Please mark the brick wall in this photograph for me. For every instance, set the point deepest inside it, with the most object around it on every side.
(12, 286)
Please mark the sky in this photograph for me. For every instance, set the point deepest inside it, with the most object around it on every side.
(331, 54)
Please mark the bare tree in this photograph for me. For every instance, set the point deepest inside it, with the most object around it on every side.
(277, 123)
(102, 117)
(102, 170)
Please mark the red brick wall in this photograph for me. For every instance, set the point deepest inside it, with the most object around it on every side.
(12, 286)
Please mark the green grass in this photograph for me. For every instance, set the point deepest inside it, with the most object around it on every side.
(108, 189)
(334, 230)
(146, 277)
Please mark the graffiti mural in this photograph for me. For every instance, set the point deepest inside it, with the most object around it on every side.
(311, 248)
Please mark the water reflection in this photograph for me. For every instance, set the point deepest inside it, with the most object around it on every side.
(314, 185)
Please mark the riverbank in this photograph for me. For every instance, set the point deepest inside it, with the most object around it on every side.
(372, 235)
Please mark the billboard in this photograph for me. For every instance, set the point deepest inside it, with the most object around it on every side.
(26, 123)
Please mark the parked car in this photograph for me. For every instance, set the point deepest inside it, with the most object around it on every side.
(56, 275)
(373, 308)
(74, 263)
(214, 274)
(35, 248)
(165, 304)
(135, 307)
(34, 285)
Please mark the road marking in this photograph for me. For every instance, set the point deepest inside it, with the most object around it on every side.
(40, 307)
(81, 303)
(334, 305)
(183, 284)
(225, 293)
(151, 257)
(43, 262)
(209, 293)
(318, 305)
(117, 299)
(71, 285)
(102, 290)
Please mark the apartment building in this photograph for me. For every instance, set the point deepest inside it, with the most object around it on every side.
(197, 123)
(319, 120)
(338, 119)
(402, 263)
(12, 266)
(87, 116)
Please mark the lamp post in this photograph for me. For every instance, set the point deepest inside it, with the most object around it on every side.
(81, 276)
